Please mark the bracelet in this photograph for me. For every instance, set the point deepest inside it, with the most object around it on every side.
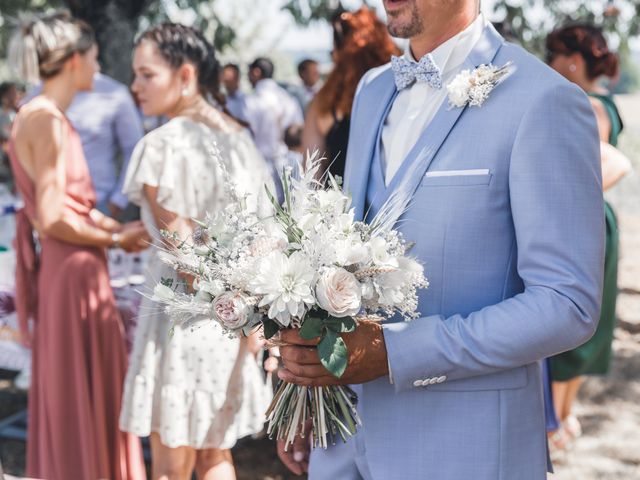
(115, 240)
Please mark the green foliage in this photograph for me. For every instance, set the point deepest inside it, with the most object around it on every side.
(532, 20)
(306, 11)
(331, 349)
(333, 353)
(11, 10)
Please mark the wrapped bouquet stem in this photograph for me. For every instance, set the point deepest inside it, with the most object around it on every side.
(307, 264)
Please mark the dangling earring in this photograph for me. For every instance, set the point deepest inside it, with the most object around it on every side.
(572, 68)
(185, 91)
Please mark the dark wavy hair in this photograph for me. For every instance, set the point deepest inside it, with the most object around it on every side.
(361, 42)
(589, 42)
(179, 44)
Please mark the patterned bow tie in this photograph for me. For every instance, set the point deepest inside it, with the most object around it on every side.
(406, 73)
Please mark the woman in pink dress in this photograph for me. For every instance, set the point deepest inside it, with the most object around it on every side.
(79, 358)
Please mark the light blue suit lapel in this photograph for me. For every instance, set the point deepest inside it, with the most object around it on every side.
(422, 154)
(363, 139)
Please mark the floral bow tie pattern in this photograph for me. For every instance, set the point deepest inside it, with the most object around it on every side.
(406, 72)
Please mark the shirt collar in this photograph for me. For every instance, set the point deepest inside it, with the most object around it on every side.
(265, 84)
(452, 53)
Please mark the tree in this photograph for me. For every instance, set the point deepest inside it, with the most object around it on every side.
(620, 20)
(12, 10)
(115, 23)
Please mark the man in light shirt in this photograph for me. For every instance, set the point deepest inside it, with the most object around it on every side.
(309, 74)
(236, 98)
(271, 110)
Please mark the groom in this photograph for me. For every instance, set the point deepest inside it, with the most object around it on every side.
(507, 216)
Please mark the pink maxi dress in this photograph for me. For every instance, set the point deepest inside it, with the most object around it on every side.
(79, 357)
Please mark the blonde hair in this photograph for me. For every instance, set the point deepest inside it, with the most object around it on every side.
(40, 47)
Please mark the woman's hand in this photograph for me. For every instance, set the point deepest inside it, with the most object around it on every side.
(133, 237)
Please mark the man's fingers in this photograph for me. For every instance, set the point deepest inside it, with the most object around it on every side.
(300, 355)
(287, 459)
(308, 371)
(285, 375)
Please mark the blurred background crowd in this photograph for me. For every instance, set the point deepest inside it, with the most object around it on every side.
(269, 81)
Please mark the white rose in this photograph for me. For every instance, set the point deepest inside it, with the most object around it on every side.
(380, 254)
(459, 88)
(338, 292)
(162, 293)
(231, 310)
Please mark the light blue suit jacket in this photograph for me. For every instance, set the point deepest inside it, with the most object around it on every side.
(515, 263)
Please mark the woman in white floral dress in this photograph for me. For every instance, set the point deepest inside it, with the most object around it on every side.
(195, 393)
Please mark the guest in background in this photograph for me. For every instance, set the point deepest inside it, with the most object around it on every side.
(79, 357)
(197, 391)
(109, 126)
(9, 101)
(580, 53)
(271, 110)
(309, 73)
(360, 43)
(236, 99)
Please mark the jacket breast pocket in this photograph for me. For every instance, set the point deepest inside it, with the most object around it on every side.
(453, 178)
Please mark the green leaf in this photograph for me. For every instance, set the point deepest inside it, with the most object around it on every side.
(270, 328)
(340, 325)
(333, 353)
(311, 328)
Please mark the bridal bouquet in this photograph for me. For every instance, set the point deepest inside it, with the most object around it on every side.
(307, 265)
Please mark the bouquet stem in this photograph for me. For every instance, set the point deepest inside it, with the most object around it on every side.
(332, 411)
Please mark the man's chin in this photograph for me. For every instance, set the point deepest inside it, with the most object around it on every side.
(399, 30)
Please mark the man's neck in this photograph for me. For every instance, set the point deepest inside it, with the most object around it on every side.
(428, 41)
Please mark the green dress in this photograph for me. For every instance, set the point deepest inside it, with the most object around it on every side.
(594, 357)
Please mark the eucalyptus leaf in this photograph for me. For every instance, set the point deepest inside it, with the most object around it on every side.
(341, 325)
(311, 328)
(333, 353)
(270, 328)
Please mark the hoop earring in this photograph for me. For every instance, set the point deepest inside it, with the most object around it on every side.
(572, 68)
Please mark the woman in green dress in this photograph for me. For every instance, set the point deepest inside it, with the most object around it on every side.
(580, 53)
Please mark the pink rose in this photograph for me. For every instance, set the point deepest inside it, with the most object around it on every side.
(231, 310)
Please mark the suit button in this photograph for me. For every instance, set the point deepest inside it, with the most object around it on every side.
(433, 380)
(425, 382)
(442, 378)
(417, 383)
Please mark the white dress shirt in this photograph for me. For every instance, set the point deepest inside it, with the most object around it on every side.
(270, 111)
(415, 106)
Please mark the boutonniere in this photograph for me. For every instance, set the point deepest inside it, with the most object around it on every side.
(472, 87)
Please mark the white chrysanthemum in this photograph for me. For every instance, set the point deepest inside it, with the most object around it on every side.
(287, 286)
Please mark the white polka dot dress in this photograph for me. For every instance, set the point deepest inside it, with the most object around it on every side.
(197, 388)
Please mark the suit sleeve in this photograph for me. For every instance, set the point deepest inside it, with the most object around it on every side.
(557, 207)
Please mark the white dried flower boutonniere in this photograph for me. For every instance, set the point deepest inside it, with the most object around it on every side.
(472, 87)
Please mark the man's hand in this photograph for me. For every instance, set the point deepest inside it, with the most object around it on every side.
(296, 458)
(367, 358)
